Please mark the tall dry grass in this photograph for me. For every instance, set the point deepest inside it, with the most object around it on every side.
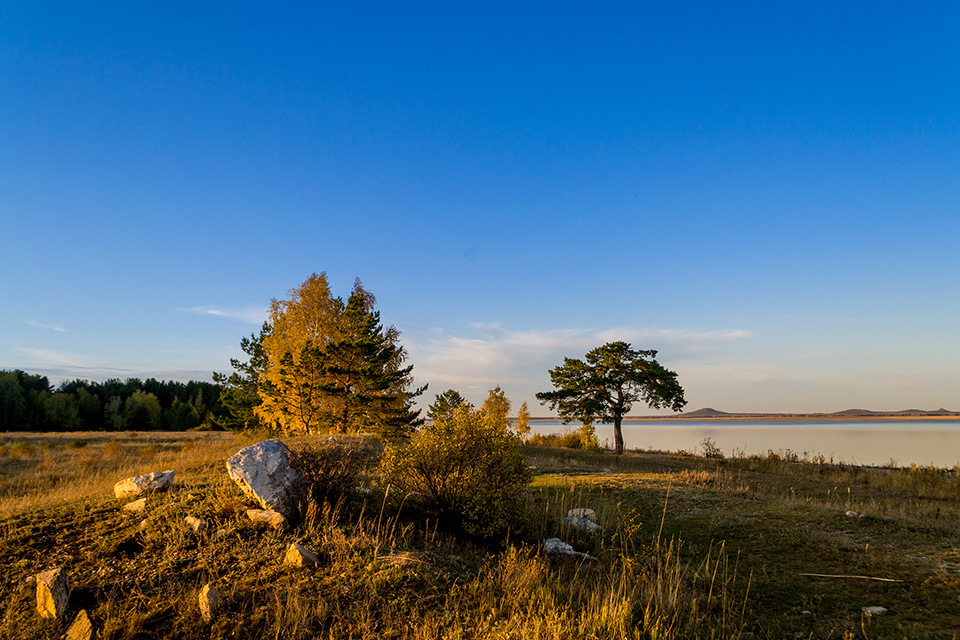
(38, 470)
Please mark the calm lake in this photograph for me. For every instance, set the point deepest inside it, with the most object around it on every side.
(866, 443)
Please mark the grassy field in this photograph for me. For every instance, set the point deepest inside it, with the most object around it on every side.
(690, 548)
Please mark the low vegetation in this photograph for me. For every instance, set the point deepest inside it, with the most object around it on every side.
(691, 547)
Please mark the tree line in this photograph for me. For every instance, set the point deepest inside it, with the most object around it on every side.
(29, 402)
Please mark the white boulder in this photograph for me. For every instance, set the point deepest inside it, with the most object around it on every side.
(147, 483)
(264, 473)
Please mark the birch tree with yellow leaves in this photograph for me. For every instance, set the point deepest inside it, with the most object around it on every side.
(332, 366)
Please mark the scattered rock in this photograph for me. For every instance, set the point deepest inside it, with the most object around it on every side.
(147, 483)
(81, 629)
(209, 602)
(583, 524)
(264, 473)
(144, 525)
(53, 592)
(300, 556)
(608, 470)
(137, 506)
(874, 611)
(806, 613)
(273, 518)
(30, 580)
(557, 547)
(854, 514)
(195, 524)
(221, 532)
(589, 514)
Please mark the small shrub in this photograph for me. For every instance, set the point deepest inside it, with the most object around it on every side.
(332, 470)
(711, 449)
(584, 438)
(467, 470)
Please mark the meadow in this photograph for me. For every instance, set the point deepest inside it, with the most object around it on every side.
(691, 547)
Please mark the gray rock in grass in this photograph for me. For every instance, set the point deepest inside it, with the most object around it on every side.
(263, 471)
(147, 483)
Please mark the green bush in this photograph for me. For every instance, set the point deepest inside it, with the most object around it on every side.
(467, 470)
(584, 438)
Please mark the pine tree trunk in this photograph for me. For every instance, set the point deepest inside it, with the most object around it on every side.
(617, 436)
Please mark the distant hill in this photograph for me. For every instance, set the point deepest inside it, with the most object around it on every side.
(706, 412)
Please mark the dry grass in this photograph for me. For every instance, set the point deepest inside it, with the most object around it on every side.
(690, 548)
(38, 470)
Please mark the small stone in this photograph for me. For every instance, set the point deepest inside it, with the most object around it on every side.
(583, 524)
(557, 547)
(589, 514)
(147, 483)
(221, 532)
(806, 613)
(137, 506)
(81, 629)
(272, 518)
(874, 611)
(29, 580)
(300, 556)
(209, 602)
(854, 514)
(196, 524)
(53, 592)
(144, 524)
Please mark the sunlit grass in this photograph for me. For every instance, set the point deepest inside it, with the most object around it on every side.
(689, 548)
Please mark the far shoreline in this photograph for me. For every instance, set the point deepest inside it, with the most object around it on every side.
(784, 417)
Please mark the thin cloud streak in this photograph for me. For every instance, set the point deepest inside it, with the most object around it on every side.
(253, 315)
(40, 325)
(503, 356)
(47, 355)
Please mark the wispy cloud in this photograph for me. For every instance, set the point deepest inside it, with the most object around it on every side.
(46, 355)
(40, 325)
(254, 315)
(503, 356)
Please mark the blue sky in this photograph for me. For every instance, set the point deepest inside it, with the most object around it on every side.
(767, 193)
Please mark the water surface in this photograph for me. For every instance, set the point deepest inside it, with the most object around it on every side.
(904, 442)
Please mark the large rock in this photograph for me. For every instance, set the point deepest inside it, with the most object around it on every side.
(264, 473)
(53, 592)
(147, 483)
